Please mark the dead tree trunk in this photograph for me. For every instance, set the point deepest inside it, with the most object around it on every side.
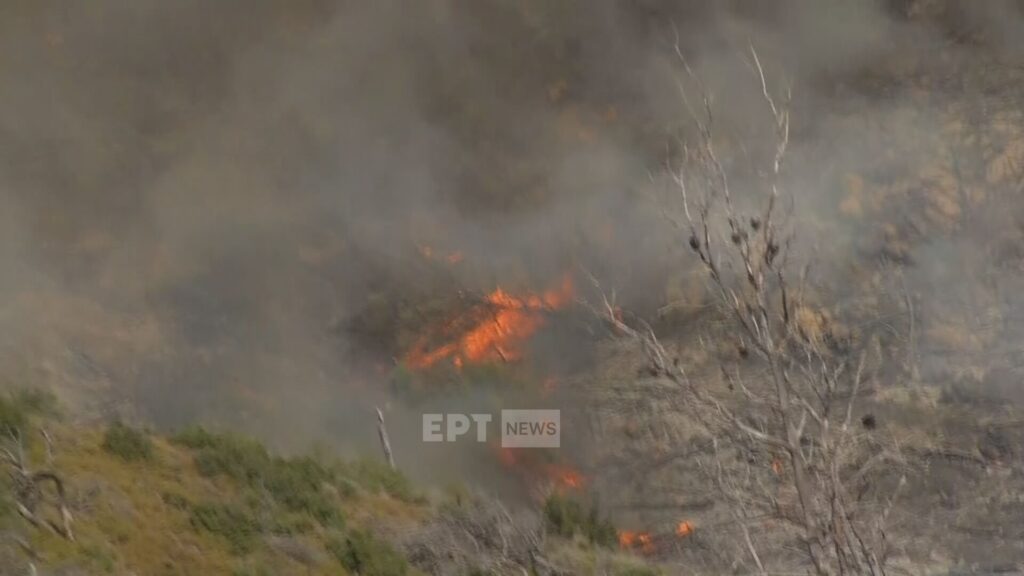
(385, 444)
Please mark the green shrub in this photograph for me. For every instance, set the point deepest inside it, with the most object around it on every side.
(36, 401)
(103, 560)
(360, 553)
(13, 418)
(127, 443)
(569, 518)
(196, 437)
(376, 476)
(290, 523)
(298, 484)
(233, 524)
(17, 408)
(225, 454)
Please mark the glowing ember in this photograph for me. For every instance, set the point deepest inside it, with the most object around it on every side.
(566, 477)
(563, 476)
(684, 529)
(640, 541)
(498, 328)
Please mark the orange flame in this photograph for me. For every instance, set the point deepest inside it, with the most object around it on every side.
(562, 476)
(641, 541)
(684, 529)
(499, 328)
(565, 476)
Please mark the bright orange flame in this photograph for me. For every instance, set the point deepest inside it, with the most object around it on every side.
(499, 328)
(562, 476)
(684, 529)
(566, 477)
(641, 541)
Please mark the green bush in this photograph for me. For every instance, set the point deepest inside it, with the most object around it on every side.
(13, 418)
(103, 560)
(291, 480)
(36, 401)
(298, 484)
(569, 518)
(291, 523)
(225, 454)
(235, 525)
(360, 553)
(376, 476)
(17, 407)
(127, 443)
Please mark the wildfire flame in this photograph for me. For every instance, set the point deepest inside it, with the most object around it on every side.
(498, 330)
(641, 541)
(684, 529)
(644, 542)
(563, 476)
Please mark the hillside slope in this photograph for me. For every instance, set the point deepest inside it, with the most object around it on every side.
(206, 503)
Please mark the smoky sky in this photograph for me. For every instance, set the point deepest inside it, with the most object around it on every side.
(199, 200)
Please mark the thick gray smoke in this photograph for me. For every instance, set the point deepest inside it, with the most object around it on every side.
(202, 202)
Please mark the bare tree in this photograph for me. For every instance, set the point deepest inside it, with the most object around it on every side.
(29, 487)
(786, 450)
(385, 442)
(480, 534)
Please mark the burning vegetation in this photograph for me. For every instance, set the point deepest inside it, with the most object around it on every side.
(638, 541)
(561, 476)
(496, 329)
(647, 542)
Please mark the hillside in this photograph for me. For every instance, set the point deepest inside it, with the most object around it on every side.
(763, 258)
(206, 503)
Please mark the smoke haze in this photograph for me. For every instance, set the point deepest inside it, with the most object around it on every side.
(202, 203)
